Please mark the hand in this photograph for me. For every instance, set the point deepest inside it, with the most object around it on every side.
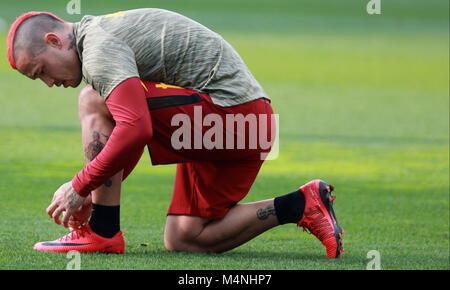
(82, 214)
(66, 200)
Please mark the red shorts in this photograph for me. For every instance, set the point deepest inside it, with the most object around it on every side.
(216, 168)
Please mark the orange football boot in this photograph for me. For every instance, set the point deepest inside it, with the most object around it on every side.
(84, 240)
(319, 218)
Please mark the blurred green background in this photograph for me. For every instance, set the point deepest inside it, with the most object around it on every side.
(363, 103)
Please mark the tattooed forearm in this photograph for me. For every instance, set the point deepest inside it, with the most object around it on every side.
(264, 213)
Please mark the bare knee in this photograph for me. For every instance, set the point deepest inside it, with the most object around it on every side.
(92, 104)
(181, 234)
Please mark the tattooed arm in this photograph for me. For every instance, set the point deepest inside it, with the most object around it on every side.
(66, 200)
(133, 130)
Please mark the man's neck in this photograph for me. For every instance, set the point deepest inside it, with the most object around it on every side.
(69, 32)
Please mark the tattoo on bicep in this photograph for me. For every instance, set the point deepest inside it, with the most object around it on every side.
(264, 213)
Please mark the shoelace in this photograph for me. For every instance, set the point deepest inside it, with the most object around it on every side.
(76, 233)
(317, 224)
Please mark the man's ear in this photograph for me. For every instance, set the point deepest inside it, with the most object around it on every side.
(53, 40)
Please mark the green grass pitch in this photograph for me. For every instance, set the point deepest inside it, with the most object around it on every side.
(363, 102)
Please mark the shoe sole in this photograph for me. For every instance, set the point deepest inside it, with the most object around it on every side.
(114, 248)
(327, 200)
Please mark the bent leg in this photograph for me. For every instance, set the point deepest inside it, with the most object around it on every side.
(96, 127)
(205, 215)
(97, 124)
(242, 223)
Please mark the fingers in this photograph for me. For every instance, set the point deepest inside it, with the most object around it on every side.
(65, 201)
(66, 217)
(75, 221)
(51, 208)
(74, 224)
(56, 214)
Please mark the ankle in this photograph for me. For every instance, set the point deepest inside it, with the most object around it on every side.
(105, 220)
(289, 207)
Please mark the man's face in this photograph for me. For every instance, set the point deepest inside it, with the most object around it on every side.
(54, 66)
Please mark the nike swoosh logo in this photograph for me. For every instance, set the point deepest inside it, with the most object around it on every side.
(63, 244)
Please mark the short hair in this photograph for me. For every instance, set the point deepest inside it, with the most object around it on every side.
(28, 32)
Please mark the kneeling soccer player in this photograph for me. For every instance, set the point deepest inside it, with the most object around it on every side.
(159, 79)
